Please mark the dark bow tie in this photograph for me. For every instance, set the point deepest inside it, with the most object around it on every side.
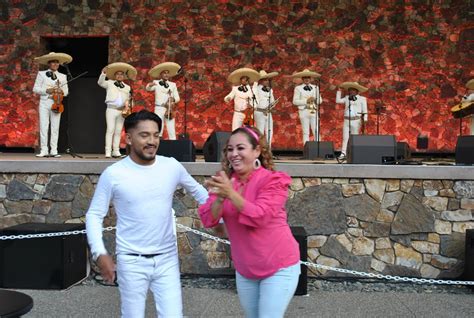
(119, 84)
(243, 89)
(52, 75)
(307, 88)
(164, 84)
(266, 89)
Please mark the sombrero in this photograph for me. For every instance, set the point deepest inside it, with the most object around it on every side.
(470, 84)
(264, 74)
(129, 71)
(63, 58)
(355, 85)
(305, 73)
(171, 67)
(235, 76)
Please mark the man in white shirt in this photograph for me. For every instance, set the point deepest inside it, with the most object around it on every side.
(48, 83)
(307, 98)
(355, 111)
(117, 100)
(265, 103)
(141, 188)
(242, 94)
(166, 95)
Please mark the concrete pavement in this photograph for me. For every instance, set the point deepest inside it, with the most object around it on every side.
(100, 301)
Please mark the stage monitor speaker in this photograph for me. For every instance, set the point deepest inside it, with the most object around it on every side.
(371, 149)
(465, 150)
(403, 151)
(182, 150)
(43, 263)
(469, 259)
(326, 150)
(300, 236)
(214, 146)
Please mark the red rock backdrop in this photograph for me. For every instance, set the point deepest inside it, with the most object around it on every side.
(415, 57)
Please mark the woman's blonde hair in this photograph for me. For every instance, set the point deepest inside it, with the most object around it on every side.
(252, 133)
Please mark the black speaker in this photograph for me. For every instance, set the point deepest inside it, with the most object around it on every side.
(403, 151)
(465, 150)
(326, 150)
(371, 149)
(469, 259)
(43, 263)
(182, 150)
(301, 237)
(214, 146)
(422, 142)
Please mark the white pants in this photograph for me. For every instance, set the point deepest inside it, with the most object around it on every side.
(137, 274)
(264, 124)
(237, 120)
(355, 127)
(47, 117)
(114, 120)
(308, 121)
(170, 123)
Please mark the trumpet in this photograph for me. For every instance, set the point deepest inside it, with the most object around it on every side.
(311, 105)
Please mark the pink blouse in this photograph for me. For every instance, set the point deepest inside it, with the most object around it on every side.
(261, 239)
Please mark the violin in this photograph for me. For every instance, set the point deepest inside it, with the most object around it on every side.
(57, 97)
(248, 121)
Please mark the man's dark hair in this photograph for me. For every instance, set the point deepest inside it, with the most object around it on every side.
(134, 118)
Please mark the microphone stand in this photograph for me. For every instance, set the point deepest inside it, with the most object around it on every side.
(254, 101)
(378, 110)
(269, 112)
(318, 113)
(69, 147)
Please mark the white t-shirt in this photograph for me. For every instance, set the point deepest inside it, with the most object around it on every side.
(142, 197)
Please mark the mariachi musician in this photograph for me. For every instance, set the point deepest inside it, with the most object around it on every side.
(307, 98)
(242, 94)
(117, 99)
(469, 98)
(355, 111)
(265, 103)
(51, 86)
(166, 95)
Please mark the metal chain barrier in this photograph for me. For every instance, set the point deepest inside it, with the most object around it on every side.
(223, 241)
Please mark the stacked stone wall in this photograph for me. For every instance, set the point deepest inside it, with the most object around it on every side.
(389, 226)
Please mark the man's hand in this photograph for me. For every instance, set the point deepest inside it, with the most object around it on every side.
(107, 268)
(104, 70)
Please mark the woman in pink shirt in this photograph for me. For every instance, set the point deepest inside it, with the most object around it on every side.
(250, 196)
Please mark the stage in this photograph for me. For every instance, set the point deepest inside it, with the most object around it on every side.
(293, 164)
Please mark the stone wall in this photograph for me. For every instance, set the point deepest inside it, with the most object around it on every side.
(413, 55)
(392, 226)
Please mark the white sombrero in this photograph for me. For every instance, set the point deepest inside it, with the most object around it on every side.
(171, 67)
(236, 75)
(305, 73)
(355, 85)
(63, 58)
(470, 84)
(264, 74)
(129, 71)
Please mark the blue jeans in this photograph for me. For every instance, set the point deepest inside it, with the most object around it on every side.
(268, 297)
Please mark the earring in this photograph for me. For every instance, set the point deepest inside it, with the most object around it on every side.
(230, 166)
(257, 164)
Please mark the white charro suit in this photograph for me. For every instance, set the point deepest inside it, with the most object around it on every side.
(46, 115)
(241, 96)
(307, 119)
(115, 99)
(357, 108)
(264, 121)
(470, 98)
(162, 94)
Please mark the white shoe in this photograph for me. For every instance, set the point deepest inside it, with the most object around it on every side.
(107, 155)
(117, 155)
(42, 155)
(56, 155)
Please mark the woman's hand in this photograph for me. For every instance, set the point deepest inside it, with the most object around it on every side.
(220, 185)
